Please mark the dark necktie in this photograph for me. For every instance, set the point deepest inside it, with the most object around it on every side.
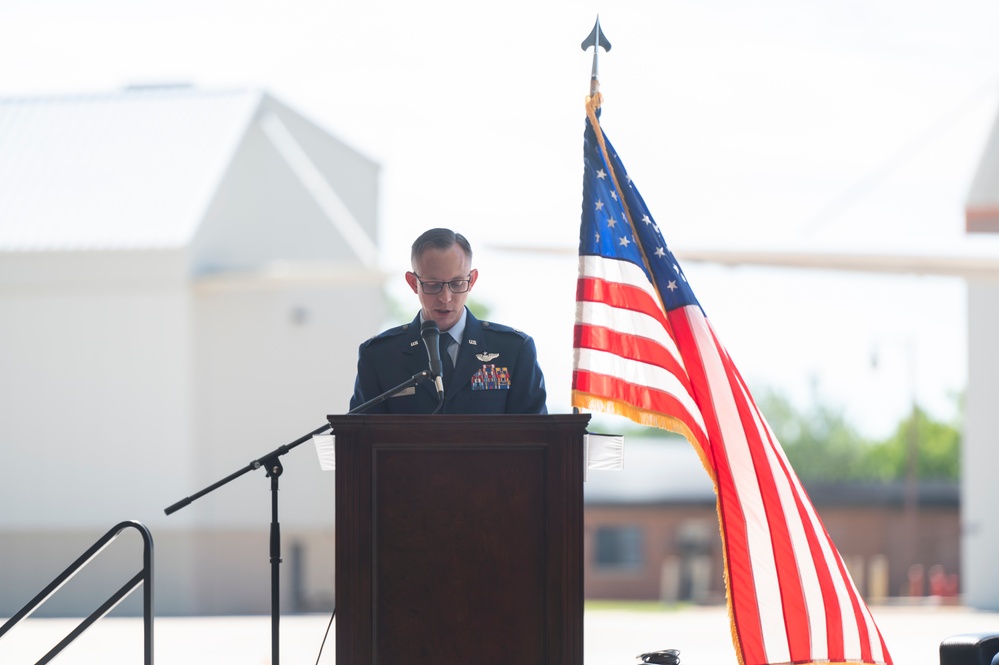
(445, 343)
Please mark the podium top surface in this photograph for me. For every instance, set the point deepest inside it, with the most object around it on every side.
(463, 420)
(483, 427)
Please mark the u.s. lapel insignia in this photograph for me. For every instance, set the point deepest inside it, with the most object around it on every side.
(416, 343)
(486, 357)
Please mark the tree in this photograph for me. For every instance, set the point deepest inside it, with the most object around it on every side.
(938, 450)
(822, 446)
(819, 444)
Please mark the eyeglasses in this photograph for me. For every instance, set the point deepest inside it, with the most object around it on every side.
(455, 285)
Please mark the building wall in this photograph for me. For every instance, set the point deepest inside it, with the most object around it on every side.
(273, 359)
(670, 568)
(681, 557)
(122, 396)
(980, 454)
(94, 366)
(865, 534)
(92, 378)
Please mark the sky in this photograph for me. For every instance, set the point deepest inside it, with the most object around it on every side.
(853, 124)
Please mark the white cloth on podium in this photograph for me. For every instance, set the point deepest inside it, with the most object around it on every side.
(604, 452)
(326, 450)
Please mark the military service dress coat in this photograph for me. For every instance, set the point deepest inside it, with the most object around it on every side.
(496, 372)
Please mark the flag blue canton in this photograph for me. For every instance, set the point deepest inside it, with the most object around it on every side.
(606, 231)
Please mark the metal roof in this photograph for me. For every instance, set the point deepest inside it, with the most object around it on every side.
(967, 257)
(128, 170)
(971, 256)
(665, 470)
(656, 470)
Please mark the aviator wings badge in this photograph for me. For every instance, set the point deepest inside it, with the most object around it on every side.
(486, 357)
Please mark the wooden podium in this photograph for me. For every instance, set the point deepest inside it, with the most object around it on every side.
(459, 539)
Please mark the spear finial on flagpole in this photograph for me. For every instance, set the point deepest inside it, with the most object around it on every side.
(596, 39)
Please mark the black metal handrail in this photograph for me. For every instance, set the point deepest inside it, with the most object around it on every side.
(143, 577)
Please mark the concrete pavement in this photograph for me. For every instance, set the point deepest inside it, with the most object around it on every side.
(612, 637)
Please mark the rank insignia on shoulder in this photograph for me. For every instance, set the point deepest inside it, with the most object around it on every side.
(486, 357)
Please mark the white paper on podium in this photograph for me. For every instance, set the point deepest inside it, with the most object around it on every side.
(604, 452)
(326, 450)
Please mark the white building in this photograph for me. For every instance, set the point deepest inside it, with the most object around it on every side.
(184, 278)
(974, 258)
(980, 460)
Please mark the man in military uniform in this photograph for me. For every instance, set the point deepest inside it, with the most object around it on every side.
(495, 368)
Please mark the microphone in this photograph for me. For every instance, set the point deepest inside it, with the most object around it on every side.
(431, 335)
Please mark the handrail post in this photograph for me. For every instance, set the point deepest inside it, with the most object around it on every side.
(144, 577)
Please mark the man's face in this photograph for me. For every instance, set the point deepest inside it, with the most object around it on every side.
(442, 265)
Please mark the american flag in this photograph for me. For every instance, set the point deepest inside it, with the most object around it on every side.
(644, 349)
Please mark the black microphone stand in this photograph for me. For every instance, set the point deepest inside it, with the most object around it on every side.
(271, 462)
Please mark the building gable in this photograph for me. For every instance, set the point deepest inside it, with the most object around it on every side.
(234, 180)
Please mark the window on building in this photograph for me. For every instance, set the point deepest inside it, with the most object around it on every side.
(620, 547)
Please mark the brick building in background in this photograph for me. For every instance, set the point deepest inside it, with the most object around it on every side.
(651, 531)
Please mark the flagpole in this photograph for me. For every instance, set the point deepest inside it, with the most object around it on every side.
(596, 39)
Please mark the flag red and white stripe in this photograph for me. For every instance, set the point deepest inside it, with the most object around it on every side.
(644, 349)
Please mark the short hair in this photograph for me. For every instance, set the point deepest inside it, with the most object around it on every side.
(439, 239)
